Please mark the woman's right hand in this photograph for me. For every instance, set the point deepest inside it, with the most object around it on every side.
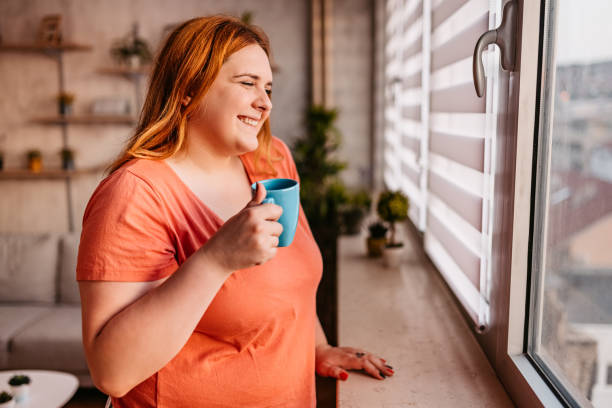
(248, 238)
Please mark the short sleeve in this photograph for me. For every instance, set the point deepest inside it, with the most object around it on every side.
(125, 235)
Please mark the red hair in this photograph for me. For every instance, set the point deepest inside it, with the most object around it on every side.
(187, 65)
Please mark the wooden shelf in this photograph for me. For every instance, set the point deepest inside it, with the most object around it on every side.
(126, 71)
(50, 174)
(87, 120)
(63, 47)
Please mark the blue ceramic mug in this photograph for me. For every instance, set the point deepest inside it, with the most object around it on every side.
(286, 193)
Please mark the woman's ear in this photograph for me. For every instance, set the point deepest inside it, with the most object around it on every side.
(185, 101)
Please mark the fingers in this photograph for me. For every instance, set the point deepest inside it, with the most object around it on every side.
(381, 365)
(269, 212)
(258, 196)
(274, 240)
(375, 366)
(338, 373)
(371, 369)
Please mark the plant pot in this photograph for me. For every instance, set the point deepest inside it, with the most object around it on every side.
(67, 161)
(20, 393)
(134, 61)
(376, 246)
(35, 164)
(351, 221)
(393, 255)
(65, 109)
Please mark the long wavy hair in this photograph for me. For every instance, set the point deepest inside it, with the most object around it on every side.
(187, 65)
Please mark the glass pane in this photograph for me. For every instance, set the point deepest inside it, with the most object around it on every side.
(571, 332)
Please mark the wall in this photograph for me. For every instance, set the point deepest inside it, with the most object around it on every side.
(29, 85)
(352, 85)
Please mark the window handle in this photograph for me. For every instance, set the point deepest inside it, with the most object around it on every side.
(505, 38)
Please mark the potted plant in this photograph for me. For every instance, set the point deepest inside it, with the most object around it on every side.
(67, 159)
(34, 161)
(64, 103)
(377, 240)
(321, 190)
(6, 400)
(132, 50)
(352, 213)
(20, 387)
(320, 187)
(393, 207)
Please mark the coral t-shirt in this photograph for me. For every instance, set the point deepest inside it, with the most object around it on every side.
(255, 344)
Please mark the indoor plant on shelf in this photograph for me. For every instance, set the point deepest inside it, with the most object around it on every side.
(67, 159)
(20, 387)
(34, 161)
(64, 103)
(377, 240)
(6, 400)
(393, 207)
(132, 50)
(354, 210)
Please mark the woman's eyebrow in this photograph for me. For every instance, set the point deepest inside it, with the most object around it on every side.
(255, 77)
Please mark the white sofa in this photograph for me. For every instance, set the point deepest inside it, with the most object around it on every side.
(40, 313)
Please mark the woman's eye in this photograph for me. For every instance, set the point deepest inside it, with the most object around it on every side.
(247, 83)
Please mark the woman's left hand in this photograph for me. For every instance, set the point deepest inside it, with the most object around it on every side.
(334, 361)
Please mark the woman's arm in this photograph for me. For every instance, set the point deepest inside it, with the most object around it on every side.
(133, 329)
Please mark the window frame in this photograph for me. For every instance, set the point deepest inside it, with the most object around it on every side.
(524, 377)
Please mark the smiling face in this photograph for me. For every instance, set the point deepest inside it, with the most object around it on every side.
(237, 104)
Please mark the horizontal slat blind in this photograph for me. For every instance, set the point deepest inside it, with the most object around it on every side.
(458, 188)
(438, 136)
(404, 129)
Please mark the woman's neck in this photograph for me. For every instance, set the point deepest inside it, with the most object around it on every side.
(198, 154)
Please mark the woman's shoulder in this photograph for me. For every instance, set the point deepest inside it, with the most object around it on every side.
(135, 182)
(136, 172)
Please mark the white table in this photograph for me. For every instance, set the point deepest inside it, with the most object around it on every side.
(48, 389)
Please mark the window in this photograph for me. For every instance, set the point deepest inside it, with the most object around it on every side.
(513, 192)
(570, 336)
(476, 170)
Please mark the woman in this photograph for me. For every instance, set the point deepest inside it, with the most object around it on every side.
(187, 301)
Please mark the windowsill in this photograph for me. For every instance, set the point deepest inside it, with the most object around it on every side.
(408, 317)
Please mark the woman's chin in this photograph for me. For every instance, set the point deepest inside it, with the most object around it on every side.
(248, 145)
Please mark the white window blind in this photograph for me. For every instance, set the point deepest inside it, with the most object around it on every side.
(439, 136)
(405, 130)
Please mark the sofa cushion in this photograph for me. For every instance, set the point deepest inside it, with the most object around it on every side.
(13, 319)
(28, 268)
(51, 343)
(68, 286)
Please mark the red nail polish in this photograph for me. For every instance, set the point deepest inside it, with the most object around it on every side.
(343, 376)
(391, 371)
(383, 360)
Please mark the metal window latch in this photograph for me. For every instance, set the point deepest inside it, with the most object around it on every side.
(505, 38)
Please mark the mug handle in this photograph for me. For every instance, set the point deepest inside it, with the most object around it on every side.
(268, 200)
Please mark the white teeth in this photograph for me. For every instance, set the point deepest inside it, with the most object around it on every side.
(248, 121)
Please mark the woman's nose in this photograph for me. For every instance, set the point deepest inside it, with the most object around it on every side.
(263, 102)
